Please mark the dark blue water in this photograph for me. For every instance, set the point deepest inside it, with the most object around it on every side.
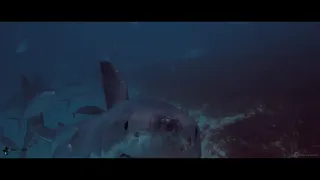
(230, 66)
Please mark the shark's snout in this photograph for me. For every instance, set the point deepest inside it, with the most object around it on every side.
(165, 138)
(166, 124)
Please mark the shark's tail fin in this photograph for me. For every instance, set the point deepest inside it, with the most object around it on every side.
(114, 88)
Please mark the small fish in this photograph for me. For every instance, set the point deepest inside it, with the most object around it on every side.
(89, 110)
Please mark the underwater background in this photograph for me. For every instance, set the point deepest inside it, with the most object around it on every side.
(253, 87)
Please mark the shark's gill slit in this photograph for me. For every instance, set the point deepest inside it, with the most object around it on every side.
(126, 125)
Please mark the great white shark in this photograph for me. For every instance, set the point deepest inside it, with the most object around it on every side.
(129, 128)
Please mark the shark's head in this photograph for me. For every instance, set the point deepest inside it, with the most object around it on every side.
(142, 129)
(158, 129)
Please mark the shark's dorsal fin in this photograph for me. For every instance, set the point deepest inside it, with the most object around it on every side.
(114, 88)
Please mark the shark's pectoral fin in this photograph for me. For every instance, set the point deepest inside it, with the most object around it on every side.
(114, 88)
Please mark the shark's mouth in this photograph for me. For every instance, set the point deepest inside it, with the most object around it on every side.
(144, 144)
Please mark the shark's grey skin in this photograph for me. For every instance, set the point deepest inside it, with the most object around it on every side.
(170, 132)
